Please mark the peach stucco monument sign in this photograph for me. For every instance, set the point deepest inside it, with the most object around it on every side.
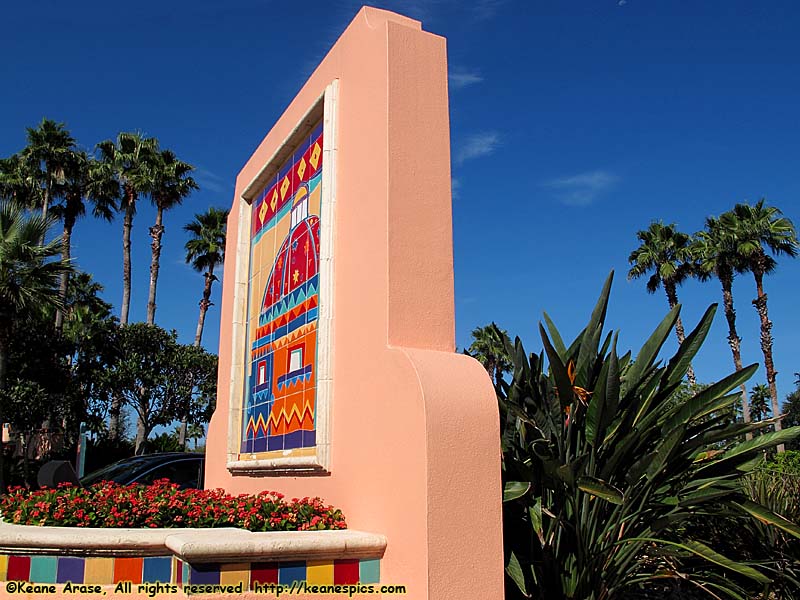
(338, 372)
(338, 375)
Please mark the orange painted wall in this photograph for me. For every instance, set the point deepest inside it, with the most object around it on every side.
(415, 449)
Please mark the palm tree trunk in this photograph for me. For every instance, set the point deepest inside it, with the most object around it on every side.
(3, 365)
(491, 368)
(766, 344)
(45, 205)
(127, 225)
(156, 231)
(734, 341)
(205, 304)
(672, 298)
(65, 256)
(46, 198)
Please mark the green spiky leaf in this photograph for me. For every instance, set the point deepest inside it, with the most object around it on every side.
(515, 489)
(601, 489)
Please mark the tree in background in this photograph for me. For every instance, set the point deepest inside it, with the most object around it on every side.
(129, 159)
(84, 179)
(713, 252)
(667, 253)
(52, 174)
(760, 401)
(489, 349)
(29, 277)
(791, 408)
(25, 410)
(200, 393)
(37, 386)
(59, 377)
(752, 229)
(170, 185)
(196, 433)
(205, 251)
(46, 156)
(18, 182)
(161, 379)
(92, 332)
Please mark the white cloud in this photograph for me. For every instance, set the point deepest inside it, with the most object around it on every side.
(584, 188)
(485, 9)
(211, 181)
(455, 187)
(461, 78)
(477, 145)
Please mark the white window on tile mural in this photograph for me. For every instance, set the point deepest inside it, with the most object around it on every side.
(296, 360)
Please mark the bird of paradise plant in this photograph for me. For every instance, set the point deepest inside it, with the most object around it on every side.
(596, 503)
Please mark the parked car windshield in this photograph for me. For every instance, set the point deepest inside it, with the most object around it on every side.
(123, 469)
(184, 470)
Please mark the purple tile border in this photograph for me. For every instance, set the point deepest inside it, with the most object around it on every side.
(70, 568)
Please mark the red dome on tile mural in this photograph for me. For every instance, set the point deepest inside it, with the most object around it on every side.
(296, 262)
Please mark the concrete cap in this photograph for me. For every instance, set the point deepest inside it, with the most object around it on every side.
(209, 545)
(192, 545)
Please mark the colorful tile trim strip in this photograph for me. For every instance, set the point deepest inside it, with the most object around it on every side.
(169, 569)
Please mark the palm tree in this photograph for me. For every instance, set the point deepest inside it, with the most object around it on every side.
(18, 182)
(489, 349)
(667, 253)
(48, 150)
(205, 251)
(761, 400)
(130, 158)
(754, 228)
(28, 277)
(715, 257)
(83, 178)
(170, 185)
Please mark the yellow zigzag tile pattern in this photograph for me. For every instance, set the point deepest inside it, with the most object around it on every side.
(282, 422)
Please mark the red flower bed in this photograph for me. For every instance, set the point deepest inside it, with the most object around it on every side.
(163, 504)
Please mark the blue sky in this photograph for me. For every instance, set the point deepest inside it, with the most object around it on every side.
(574, 124)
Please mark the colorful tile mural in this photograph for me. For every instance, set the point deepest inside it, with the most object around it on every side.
(278, 411)
(169, 569)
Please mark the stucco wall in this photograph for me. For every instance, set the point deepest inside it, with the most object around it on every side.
(415, 452)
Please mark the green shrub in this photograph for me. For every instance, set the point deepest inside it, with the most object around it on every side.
(605, 464)
(773, 549)
(786, 462)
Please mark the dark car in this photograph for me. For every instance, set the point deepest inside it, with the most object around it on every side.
(185, 469)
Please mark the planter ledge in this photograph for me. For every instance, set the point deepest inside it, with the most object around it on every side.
(222, 544)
